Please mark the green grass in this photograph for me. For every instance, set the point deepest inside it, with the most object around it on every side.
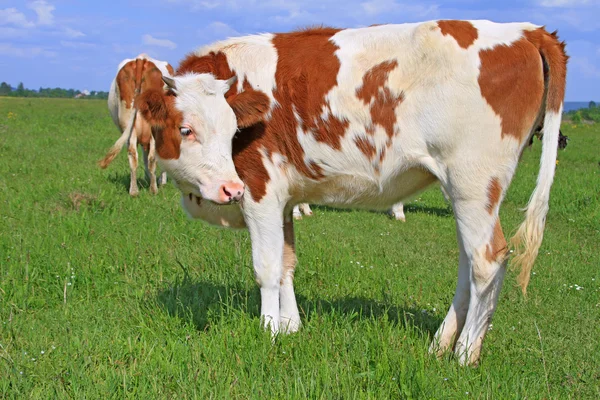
(107, 296)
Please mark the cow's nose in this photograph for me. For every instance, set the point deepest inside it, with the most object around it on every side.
(231, 191)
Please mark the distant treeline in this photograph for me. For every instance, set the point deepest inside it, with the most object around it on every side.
(592, 113)
(20, 91)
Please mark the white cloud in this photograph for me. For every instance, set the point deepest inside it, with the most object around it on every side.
(566, 3)
(221, 29)
(44, 12)
(12, 16)
(7, 49)
(72, 33)
(152, 41)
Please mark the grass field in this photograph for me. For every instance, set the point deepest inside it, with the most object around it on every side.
(107, 296)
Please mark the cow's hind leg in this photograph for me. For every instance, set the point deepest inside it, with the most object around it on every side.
(296, 212)
(397, 212)
(132, 154)
(150, 165)
(483, 254)
(288, 309)
(446, 335)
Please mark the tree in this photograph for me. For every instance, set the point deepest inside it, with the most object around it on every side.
(592, 104)
(20, 89)
(5, 89)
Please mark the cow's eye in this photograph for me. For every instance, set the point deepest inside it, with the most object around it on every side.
(185, 131)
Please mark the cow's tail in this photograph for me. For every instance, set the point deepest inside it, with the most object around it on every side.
(116, 148)
(528, 238)
(129, 128)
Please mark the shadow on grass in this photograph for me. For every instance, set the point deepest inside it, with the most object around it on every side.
(419, 209)
(205, 302)
(408, 208)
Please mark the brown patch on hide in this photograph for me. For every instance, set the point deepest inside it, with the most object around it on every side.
(494, 193)
(382, 103)
(307, 69)
(496, 249)
(158, 109)
(289, 252)
(366, 147)
(463, 32)
(511, 80)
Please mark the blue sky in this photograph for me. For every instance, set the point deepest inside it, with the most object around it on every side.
(79, 43)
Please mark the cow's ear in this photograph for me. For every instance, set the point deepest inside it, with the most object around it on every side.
(250, 107)
(151, 104)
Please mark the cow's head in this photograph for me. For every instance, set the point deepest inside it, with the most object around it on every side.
(193, 125)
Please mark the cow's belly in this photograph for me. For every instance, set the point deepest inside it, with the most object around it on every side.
(348, 191)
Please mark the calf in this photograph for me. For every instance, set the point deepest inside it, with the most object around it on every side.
(135, 76)
(365, 118)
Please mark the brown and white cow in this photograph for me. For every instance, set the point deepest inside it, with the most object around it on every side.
(135, 76)
(365, 118)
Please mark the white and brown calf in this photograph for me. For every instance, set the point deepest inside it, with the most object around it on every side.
(133, 77)
(365, 118)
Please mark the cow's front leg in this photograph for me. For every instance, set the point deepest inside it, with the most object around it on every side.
(265, 223)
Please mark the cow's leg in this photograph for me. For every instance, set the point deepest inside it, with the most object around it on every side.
(296, 213)
(133, 162)
(150, 165)
(446, 335)
(163, 178)
(476, 206)
(305, 208)
(398, 212)
(288, 309)
(265, 224)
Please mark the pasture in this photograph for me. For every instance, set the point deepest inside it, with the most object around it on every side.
(107, 296)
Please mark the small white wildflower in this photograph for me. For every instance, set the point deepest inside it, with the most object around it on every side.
(533, 273)
(42, 352)
(32, 359)
(53, 347)
(433, 309)
(21, 372)
(393, 379)
(445, 379)
(69, 284)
